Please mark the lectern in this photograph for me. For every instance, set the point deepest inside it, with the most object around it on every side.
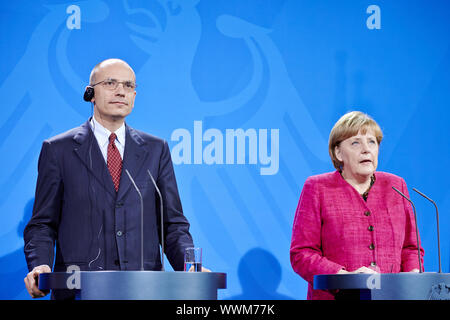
(389, 286)
(136, 285)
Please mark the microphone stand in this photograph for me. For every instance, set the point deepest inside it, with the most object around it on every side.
(437, 222)
(161, 218)
(142, 218)
(417, 231)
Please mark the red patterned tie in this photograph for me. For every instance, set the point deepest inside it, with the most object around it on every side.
(114, 161)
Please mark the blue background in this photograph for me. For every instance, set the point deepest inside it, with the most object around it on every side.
(296, 66)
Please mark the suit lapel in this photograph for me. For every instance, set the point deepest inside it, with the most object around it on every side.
(133, 159)
(89, 153)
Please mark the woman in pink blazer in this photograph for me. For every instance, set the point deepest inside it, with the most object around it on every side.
(351, 220)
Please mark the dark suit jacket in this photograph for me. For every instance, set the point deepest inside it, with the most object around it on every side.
(94, 227)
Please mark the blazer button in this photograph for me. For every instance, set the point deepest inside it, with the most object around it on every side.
(372, 246)
(119, 233)
(367, 213)
(119, 205)
(370, 228)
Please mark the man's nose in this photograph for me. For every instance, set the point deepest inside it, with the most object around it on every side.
(120, 90)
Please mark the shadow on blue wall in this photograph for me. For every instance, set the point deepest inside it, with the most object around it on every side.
(14, 267)
(260, 275)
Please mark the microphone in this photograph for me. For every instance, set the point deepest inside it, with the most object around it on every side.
(437, 220)
(162, 218)
(142, 218)
(417, 232)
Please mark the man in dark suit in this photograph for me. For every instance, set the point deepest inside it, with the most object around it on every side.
(85, 201)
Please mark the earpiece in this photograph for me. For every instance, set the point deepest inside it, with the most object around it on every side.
(88, 94)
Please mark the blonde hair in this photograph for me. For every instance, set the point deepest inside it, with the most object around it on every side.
(348, 126)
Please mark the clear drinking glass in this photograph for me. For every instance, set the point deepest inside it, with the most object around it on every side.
(193, 259)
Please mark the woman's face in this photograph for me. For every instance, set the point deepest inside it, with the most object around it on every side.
(359, 155)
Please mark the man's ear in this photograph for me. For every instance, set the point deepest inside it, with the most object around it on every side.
(133, 99)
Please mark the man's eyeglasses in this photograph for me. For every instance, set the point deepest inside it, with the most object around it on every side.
(112, 84)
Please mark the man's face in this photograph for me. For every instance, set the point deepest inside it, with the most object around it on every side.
(113, 104)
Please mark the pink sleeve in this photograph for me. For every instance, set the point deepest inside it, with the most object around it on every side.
(410, 260)
(306, 255)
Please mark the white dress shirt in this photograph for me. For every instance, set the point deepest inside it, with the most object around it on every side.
(102, 135)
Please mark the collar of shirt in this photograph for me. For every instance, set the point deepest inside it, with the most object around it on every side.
(102, 135)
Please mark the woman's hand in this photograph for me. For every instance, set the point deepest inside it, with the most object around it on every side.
(364, 270)
(359, 270)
